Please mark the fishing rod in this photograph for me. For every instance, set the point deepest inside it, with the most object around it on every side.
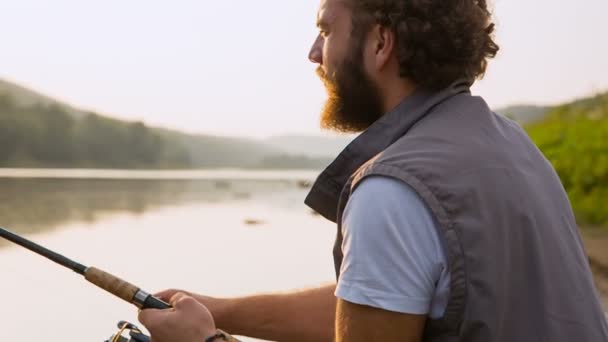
(106, 281)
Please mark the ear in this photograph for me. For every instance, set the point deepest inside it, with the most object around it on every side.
(384, 41)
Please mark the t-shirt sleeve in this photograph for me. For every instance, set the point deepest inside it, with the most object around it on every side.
(393, 257)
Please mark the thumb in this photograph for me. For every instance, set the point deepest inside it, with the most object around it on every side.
(185, 303)
(177, 298)
(167, 294)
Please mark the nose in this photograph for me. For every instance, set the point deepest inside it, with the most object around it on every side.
(316, 51)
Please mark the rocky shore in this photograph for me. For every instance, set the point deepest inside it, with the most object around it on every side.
(596, 245)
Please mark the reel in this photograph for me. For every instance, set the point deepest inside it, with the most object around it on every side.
(134, 334)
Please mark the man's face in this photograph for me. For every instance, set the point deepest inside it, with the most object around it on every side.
(354, 102)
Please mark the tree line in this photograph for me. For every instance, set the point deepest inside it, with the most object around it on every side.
(46, 135)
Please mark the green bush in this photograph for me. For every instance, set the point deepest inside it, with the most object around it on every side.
(574, 138)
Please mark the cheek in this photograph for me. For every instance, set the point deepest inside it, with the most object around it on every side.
(332, 55)
(368, 61)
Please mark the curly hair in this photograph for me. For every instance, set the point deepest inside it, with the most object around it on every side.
(438, 41)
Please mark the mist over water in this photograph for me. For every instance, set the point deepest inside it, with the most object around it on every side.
(232, 233)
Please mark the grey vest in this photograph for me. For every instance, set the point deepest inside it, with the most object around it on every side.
(519, 272)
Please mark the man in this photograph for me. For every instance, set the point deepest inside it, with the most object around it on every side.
(451, 225)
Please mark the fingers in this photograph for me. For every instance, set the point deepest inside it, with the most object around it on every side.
(150, 317)
(178, 300)
(154, 317)
(187, 320)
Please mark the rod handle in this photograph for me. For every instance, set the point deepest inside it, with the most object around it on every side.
(155, 303)
(116, 286)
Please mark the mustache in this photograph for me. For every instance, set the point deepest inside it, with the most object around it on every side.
(321, 73)
(330, 83)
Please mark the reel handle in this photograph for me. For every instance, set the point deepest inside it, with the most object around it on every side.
(135, 335)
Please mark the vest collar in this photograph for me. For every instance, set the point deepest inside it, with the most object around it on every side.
(325, 192)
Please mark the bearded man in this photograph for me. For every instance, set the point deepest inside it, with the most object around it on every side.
(452, 226)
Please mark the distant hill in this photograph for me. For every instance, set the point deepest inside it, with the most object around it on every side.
(206, 150)
(214, 151)
(313, 146)
(528, 114)
(27, 98)
(524, 114)
(31, 125)
(35, 132)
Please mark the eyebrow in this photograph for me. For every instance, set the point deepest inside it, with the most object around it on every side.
(321, 23)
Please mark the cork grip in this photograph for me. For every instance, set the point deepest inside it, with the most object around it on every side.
(112, 284)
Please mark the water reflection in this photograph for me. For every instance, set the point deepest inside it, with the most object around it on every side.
(36, 205)
(156, 233)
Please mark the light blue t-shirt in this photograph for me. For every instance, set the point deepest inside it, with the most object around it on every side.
(394, 258)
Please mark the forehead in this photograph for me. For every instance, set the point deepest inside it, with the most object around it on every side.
(332, 10)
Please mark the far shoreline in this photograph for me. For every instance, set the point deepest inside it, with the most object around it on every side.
(156, 174)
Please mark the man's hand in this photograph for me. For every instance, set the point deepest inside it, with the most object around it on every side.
(218, 307)
(187, 321)
(302, 316)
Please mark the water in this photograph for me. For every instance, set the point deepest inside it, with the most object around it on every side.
(220, 233)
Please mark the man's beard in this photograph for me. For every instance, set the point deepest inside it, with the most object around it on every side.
(353, 102)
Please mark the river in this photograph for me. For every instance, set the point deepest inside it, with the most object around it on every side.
(221, 233)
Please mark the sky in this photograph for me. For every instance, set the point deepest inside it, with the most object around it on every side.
(240, 67)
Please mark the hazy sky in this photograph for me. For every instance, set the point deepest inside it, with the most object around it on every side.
(240, 67)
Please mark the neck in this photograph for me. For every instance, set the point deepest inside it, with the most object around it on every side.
(395, 92)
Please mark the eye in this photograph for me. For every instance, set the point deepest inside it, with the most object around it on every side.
(323, 33)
